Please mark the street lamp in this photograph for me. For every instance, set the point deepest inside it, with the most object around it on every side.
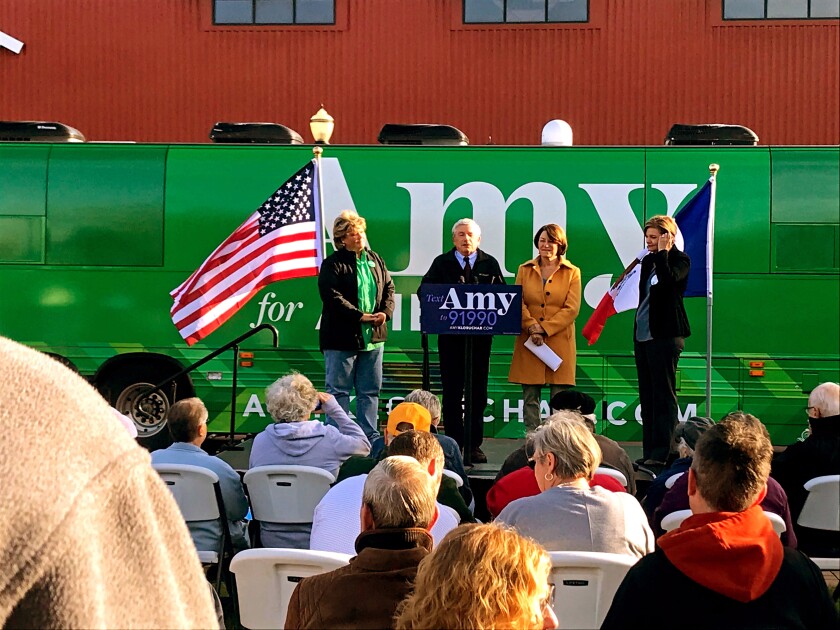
(321, 125)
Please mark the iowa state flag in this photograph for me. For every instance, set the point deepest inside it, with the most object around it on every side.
(695, 225)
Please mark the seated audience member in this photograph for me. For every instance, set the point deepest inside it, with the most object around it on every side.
(293, 439)
(91, 537)
(612, 455)
(817, 455)
(569, 515)
(481, 577)
(774, 500)
(398, 509)
(424, 446)
(187, 421)
(335, 526)
(522, 483)
(403, 417)
(724, 562)
(685, 435)
(408, 417)
(451, 450)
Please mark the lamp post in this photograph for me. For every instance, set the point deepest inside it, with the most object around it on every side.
(321, 126)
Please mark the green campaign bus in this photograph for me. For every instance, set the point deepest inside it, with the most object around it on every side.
(93, 237)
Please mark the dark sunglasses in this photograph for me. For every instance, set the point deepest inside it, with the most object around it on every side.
(532, 463)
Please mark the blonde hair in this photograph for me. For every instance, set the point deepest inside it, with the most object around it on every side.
(398, 492)
(291, 398)
(479, 576)
(343, 223)
(662, 223)
(566, 436)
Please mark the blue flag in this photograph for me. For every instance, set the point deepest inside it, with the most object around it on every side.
(693, 222)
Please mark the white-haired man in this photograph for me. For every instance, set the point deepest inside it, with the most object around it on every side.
(817, 455)
(464, 263)
(398, 509)
(334, 528)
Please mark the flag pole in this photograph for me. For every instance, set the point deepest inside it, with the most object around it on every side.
(713, 170)
(317, 151)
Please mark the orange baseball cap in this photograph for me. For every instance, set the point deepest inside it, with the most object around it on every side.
(408, 416)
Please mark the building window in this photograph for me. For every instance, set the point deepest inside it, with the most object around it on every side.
(273, 12)
(780, 9)
(525, 11)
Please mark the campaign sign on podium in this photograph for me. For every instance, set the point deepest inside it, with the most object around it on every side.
(471, 309)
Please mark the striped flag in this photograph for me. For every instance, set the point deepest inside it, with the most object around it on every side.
(622, 296)
(281, 240)
(696, 227)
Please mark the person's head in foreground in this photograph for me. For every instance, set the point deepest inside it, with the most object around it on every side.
(731, 465)
(565, 452)
(481, 576)
(398, 493)
(91, 523)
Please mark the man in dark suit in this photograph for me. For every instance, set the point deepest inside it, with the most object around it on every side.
(466, 264)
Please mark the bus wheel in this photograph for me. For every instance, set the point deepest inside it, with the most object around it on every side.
(148, 411)
(125, 381)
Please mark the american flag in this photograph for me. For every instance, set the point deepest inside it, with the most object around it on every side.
(281, 240)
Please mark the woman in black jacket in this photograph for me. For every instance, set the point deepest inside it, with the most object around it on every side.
(358, 297)
(659, 333)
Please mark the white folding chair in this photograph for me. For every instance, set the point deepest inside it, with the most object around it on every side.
(777, 522)
(822, 511)
(286, 495)
(670, 481)
(585, 583)
(612, 472)
(453, 475)
(266, 578)
(674, 519)
(199, 497)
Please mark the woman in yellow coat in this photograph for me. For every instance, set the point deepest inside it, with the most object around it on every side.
(550, 303)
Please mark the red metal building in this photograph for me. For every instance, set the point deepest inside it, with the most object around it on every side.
(164, 70)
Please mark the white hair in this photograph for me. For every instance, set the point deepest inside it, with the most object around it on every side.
(428, 400)
(826, 398)
(398, 492)
(469, 223)
(291, 398)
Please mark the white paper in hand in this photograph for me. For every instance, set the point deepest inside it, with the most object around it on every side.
(544, 354)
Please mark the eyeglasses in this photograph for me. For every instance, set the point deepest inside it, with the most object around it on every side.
(808, 410)
(532, 463)
(548, 602)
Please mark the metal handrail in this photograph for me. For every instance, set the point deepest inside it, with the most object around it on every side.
(234, 345)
